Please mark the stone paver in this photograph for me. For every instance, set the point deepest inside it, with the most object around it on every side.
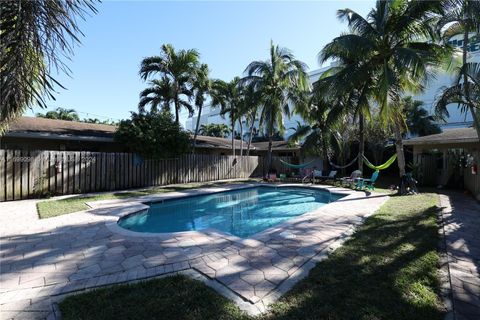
(461, 224)
(42, 260)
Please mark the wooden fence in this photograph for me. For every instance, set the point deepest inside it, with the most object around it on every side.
(27, 174)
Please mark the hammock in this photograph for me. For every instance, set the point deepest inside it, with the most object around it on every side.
(342, 167)
(297, 166)
(382, 166)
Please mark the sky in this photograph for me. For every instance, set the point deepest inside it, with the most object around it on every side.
(104, 81)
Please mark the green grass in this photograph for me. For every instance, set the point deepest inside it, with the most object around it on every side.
(53, 208)
(387, 270)
(176, 297)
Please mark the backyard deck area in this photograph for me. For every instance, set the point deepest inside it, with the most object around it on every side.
(43, 259)
(46, 260)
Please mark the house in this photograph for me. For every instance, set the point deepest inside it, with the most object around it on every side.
(32, 133)
(450, 158)
(279, 149)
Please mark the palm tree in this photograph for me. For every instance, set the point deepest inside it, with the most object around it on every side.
(176, 68)
(36, 36)
(461, 17)
(227, 95)
(456, 93)
(351, 95)
(160, 94)
(386, 54)
(61, 114)
(201, 87)
(320, 118)
(249, 108)
(417, 119)
(214, 130)
(279, 81)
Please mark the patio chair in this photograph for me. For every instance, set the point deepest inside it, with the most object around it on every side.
(367, 183)
(318, 175)
(351, 180)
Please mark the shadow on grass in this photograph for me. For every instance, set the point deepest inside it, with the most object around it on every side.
(388, 270)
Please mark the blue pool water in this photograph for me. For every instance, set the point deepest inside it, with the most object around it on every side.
(239, 212)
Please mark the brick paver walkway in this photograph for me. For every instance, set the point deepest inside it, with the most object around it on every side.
(461, 216)
(42, 260)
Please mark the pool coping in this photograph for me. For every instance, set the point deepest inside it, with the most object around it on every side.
(252, 241)
(251, 304)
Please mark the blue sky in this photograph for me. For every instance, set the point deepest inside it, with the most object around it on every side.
(104, 82)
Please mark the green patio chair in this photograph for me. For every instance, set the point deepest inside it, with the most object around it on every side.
(367, 184)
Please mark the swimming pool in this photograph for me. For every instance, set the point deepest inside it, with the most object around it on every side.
(241, 212)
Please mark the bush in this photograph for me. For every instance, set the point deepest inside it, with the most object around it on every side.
(153, 135)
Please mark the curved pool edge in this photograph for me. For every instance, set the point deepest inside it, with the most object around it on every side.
(252, 241)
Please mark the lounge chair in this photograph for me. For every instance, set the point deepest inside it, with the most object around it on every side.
(318, 175)
(351, 180)
(367, 183)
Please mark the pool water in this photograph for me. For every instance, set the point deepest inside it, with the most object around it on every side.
(239, 212)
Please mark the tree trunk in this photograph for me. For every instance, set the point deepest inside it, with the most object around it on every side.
(270, 142)
(325, 153)
(177, 106)
(233, 135)
(250, 136)
(475, 117)
(399, 148)
(269, 154)
(361, 141)
(241, 136)
(196, 128)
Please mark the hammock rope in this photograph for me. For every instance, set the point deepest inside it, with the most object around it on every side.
(297, 166)
(342, 167)
(382, 166)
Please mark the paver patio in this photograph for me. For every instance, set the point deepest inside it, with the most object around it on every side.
(42, 260)
(461, 217)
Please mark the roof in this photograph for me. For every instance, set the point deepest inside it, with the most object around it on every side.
(33, 127)
(217, 142)
(226, 143)
(449, 136)
(276, 145)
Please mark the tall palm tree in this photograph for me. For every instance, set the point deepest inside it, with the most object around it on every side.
(249, 108)
(179, 68)
(227, 95)
(35, 37)
(461, 17)
(161, 94)
(350, 92)
(280, 81)
(387, 52)
(61, 114)
(201, 87)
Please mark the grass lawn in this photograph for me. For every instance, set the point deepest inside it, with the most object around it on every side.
(387, 270)
(52, 208)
